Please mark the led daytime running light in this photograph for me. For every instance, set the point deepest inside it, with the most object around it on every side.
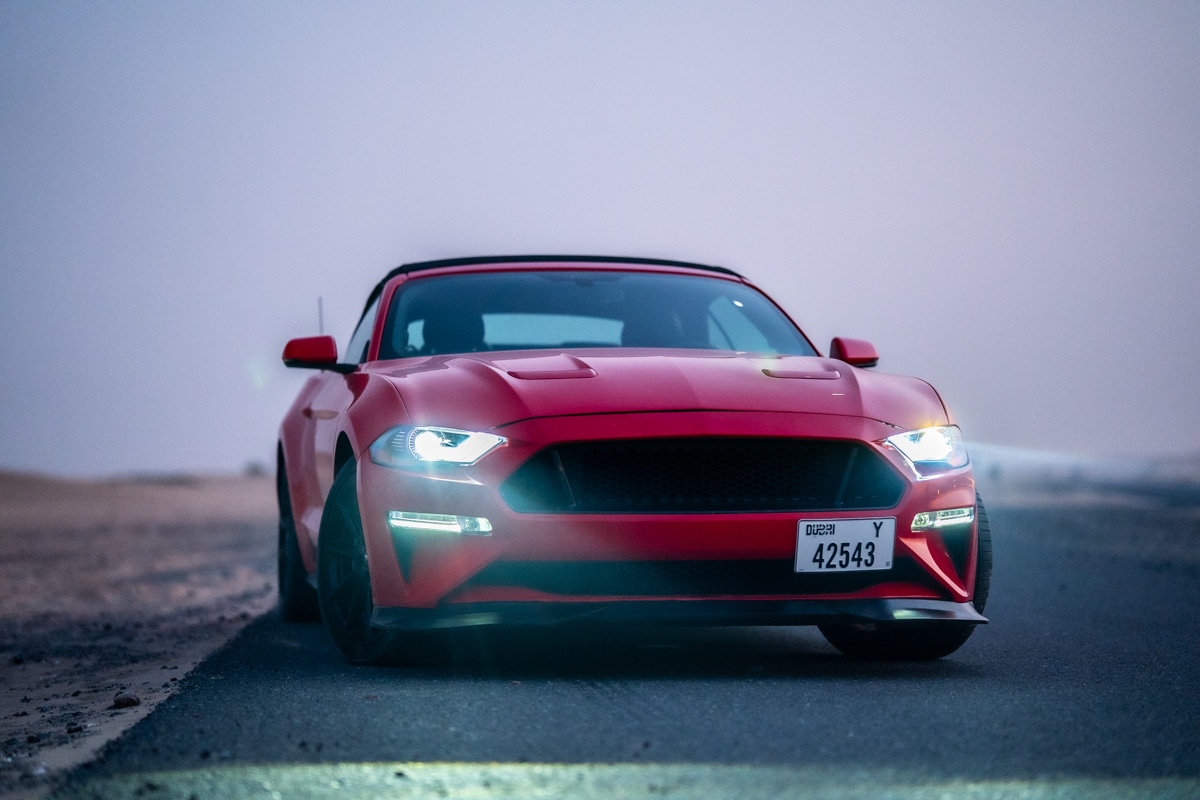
(439, 523)
(929, 520)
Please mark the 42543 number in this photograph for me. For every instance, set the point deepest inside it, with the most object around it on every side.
(840, 555)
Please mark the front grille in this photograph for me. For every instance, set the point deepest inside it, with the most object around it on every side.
(703, 475)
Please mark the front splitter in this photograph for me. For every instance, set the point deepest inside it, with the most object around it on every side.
(680, 612)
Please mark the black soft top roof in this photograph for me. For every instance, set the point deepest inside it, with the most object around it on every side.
(420, 266)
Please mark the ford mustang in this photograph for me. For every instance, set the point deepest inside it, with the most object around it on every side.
(537, 440)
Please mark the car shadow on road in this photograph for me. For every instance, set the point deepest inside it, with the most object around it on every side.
(608, 651)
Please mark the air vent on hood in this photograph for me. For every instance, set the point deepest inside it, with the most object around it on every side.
(543, 368)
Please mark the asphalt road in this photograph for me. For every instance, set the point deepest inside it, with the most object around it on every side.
(1086, 683)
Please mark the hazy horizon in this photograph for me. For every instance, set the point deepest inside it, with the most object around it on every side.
(1003, 198)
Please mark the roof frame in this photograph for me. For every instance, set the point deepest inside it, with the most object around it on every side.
(421, 266)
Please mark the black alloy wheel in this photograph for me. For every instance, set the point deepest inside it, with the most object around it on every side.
(343, 580)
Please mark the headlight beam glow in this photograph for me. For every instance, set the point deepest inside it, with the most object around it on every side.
(931, 451)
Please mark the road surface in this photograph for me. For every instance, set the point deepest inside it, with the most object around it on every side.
(1086, 683)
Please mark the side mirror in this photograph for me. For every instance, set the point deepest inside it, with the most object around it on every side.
(314, 352)
(854, 352)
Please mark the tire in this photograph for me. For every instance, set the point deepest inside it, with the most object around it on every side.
(297, 597)
(919, 641)
(343, 580)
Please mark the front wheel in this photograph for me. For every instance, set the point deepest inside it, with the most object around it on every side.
(343, 580)
(919, 641)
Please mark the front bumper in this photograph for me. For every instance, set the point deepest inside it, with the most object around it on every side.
(438, 579)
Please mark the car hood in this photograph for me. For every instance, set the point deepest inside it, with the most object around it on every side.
(487, 391)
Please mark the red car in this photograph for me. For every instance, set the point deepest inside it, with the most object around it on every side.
(535, 439)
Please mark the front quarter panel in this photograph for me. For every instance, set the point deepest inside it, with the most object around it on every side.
(358, 407)
(376, 407)
(899, 400)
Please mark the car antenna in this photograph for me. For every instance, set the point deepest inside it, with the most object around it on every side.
(320, 316)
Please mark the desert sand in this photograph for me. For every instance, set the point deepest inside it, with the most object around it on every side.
(110, 592)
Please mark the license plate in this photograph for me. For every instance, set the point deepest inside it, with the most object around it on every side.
(844, 545)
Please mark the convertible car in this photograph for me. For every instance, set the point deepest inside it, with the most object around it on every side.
(536, 440)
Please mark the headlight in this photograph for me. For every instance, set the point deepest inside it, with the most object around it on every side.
(406, 445)
(931, 450)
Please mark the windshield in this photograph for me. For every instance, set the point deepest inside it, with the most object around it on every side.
(550, 309)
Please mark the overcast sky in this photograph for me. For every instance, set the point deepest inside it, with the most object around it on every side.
(1003, 197)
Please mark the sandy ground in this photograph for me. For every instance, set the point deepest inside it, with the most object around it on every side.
(110, 592)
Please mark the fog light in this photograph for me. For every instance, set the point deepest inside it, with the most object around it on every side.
(928, 520)
(441, 523)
